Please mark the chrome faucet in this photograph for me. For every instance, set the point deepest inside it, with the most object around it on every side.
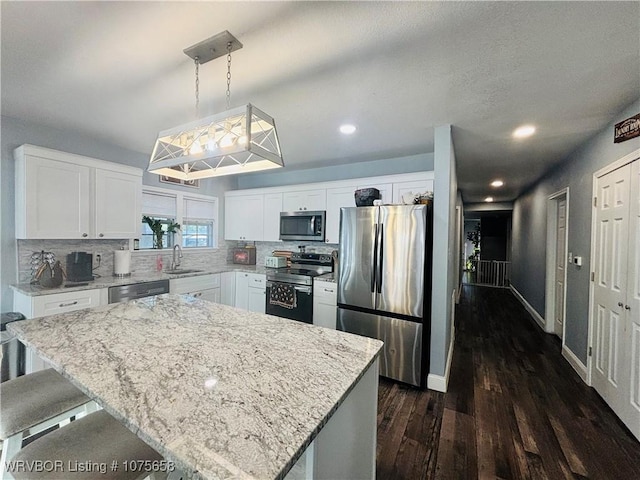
(175, 263)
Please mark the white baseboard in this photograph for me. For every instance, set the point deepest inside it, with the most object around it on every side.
(439, 383)
(532, 311)
(575, 362)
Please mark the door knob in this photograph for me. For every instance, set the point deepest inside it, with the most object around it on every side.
(620, 304)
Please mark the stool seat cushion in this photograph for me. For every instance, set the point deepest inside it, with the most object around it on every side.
(88, 443)
(22, 408)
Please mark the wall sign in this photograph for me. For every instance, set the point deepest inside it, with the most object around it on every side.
(627, 129)
(177, 181)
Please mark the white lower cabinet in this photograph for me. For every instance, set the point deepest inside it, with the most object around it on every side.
(43, 305)
(251, 290)
(228, 288)
(206, 287)
(325, 295)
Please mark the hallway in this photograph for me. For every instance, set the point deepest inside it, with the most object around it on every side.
(514, 409)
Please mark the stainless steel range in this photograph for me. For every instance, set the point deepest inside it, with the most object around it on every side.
(290, 290)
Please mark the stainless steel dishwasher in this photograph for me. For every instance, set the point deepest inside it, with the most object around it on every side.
(124, 293)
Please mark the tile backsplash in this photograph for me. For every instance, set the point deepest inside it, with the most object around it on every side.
(145, 260)
(141, 261)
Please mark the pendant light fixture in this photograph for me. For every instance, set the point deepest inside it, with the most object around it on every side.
(238, 140)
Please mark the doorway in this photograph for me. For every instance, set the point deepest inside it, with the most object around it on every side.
(614, 323)
(557, 260)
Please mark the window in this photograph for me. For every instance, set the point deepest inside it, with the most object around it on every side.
(147, 236)
(198, 222)
(196, 214)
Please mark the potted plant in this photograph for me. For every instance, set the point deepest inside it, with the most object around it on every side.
(156, 227)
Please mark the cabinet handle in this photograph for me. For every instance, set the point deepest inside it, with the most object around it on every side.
(328, 290)
(67, 304)
(101, 235)
(620, 304)
(627, 307)
(85, 235)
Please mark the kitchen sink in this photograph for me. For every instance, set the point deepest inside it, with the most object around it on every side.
(177, 271)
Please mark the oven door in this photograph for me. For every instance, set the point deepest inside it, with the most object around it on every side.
(302, 312)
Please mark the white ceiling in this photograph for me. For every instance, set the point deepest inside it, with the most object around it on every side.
(116, 71)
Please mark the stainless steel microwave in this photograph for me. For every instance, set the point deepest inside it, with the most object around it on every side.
(302, 225)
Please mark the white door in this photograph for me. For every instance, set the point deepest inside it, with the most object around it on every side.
(632, 304)
(611, 375)
(118, 197)
(336, 199)
(560, 266)
(256, 299)
(57, 200)
(272, 208)
(243, 217)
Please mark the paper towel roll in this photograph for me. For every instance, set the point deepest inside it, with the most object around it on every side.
(122, 262)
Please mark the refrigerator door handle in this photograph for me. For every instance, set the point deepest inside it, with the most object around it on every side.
(374, 259)
(380, 256)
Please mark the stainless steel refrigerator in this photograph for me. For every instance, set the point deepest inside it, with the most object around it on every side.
(384, 284)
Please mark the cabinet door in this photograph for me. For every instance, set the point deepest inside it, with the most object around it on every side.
(324, 304)
(336, 199)
(386, 191)
(117, 204)
(242, 290)
(228, 288)
(55, 200)
(272, 209)
(403, 188)
(243, 217)
(210, 294)
(304, 200)
(256, 300)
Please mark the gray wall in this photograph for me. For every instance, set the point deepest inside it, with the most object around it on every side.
(16, 132)
(414, 163)
(446, 198)
(530, 224)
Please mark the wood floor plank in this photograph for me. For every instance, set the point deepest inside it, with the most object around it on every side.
(514, 408)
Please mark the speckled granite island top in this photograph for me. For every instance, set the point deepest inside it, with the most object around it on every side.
(224, 393)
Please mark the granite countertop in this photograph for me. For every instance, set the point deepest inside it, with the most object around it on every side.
(140, 277)
(328, 277)
(223, 392)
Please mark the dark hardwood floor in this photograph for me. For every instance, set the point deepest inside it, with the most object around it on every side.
(514, 409)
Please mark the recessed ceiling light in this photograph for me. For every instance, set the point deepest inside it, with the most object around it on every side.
(488, 199)
(347, 129)
(497, 183)
(524, 131)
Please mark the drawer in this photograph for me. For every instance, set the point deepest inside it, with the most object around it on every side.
(326, 290)
(257, 280)
(44, 305)
(194, 284)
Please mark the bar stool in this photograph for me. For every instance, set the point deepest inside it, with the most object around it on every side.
(33, 403)
(98, 444)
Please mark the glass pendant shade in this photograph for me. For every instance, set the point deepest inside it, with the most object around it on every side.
(240, 140)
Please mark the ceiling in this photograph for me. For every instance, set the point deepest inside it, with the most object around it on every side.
(116, 71)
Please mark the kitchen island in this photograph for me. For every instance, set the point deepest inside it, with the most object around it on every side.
(222, 392)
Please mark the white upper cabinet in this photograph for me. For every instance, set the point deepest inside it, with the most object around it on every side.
(336, 199)
(244, 217)
(304, 200)
(272, 209)
(412, 187)
(386, 191)
(118, 200)
(66, 196)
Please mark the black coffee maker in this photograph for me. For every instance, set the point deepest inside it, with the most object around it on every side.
(80, 267)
